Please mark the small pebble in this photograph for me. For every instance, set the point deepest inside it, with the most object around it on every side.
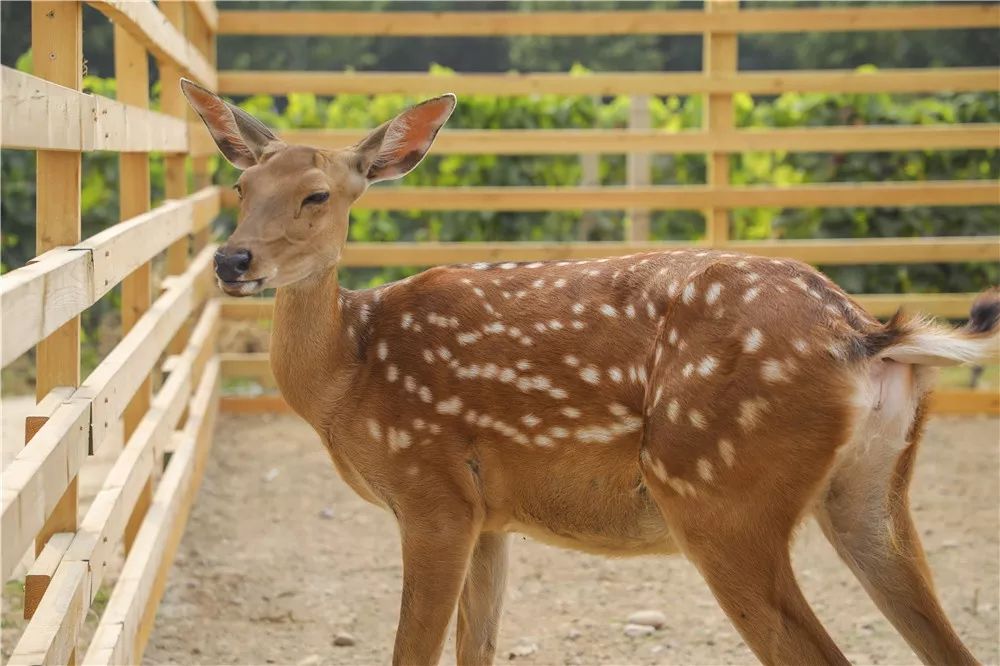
(638, 630)
(522, 650)
(649, 618)
(343, 640)
(271, 475)
(573, 634)
(326, 512)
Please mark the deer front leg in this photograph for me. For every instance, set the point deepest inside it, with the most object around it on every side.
(482, 601)
(436, 552)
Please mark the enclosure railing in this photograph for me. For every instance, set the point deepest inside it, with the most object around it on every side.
(721, 23)
(168, 338)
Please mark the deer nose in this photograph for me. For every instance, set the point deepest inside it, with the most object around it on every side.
(231, 265)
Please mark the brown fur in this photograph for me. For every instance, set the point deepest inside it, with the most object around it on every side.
(691, 401)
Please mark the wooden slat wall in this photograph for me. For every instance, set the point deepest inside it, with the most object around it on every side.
(41, 304)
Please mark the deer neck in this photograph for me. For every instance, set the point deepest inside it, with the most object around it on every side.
(312, 351)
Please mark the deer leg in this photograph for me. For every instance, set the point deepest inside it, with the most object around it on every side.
(436, 552)
(865, 515)
(482, 600)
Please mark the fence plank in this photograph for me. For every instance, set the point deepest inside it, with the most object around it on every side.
(147, 24)
(956, 79)
(569, 141)
(142, 579)
(36, 477)
(52, 117)
(827, 252)
(718, 116)
(672, 22)
(42, 296)
(105, 523)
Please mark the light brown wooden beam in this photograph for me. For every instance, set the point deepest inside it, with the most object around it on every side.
(956, 79)
(619, 22)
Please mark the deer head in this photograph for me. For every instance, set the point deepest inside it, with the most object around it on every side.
(295, 200)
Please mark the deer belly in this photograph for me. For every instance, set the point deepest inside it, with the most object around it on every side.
(602, 514)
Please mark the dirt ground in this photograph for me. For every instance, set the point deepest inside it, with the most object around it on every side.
(280, 556)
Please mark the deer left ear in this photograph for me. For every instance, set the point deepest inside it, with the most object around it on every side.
(396, 147)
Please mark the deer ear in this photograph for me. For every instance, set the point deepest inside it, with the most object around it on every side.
(396, 147)
(239, 136)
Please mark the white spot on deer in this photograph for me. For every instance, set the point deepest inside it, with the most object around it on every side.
(800, 345)
(428, 356)
(444, 353)
(558, 433)
(571, 360)
(578, 308)
(544, 440)
(697, 419)
(468, 338)
(672, 289)
(705, 470)
(526, 341)
(452, 405)
(750, 294)
(558, 393)
(689, 293)
(570, 412)
(560, 283)
(410, 383)
(374, 429)
(383, 350)
(650, 309)
(673, 411)
(480, 266)
(753, 341)
(485, 420)
(707, 366)
(530, 420)
(540, 327)
(659, 396)
(750, 412)
(399, 439)
(656, 465)
(490, 370)
(727, 452)
(523, 365)
(593, 434)
(630, 311)
(534, 264)
(392, 373)
(555, 325)
(521, 294)
(495, 327)
(713, 292)
(507, 375)
(577, 324)
(672, 337)
(514, 332)
(590, 374)
(618, 409)
(478, 292)
(688, 370)
(508, 266)
(608, 311)
(616, 375)
(425, 394)
(419, 424)
(800, 283)
(773, 370)
(538, 284)
(406, 320)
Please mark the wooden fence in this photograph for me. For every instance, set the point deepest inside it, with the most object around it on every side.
(158, 390)
(720, 23)
(155, 395)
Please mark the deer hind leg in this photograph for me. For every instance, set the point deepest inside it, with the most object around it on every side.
(482, 600)
(865, 515)
(437, 546)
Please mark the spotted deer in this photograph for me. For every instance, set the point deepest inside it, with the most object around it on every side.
(686, 401)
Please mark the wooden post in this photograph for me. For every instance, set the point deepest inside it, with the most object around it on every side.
(637, 168)
(590, 176)
(57, 42)
(132, 74)
(719, 57)
(203, 39)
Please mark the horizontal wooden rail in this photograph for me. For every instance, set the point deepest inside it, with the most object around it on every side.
(46, 116)
(124, 626)
(210, 14)
(951, 306)
(39, 298)
(674, 197)
(671, 22)
(48, 635)
(147, 24)
(35, 479)
(957, 79)
(828, 252)
(257, 367)
(566, 142)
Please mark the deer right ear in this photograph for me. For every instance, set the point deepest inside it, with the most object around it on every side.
(241, 137)
(393, 149)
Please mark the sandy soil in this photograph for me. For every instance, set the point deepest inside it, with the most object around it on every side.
(280, 557)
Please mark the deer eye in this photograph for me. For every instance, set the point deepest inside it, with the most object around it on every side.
(316, 198)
